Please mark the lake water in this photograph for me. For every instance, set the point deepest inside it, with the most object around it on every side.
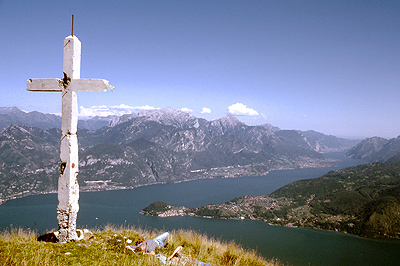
(296, 246)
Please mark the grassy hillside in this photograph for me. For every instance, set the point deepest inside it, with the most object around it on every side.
(107, 247)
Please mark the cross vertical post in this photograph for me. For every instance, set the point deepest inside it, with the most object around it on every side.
(68, 188)
(69, 85)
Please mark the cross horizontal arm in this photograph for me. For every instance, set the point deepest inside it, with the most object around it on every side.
(44, 85)
(57, 85)
(90, 85)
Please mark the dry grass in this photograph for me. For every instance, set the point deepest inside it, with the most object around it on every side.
(106, 246)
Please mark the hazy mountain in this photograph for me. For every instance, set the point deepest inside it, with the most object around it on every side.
(96, 122)
(367, 148)
(158, 146)
(327, 143)
(390, 149)
(14, 116)
(271, 127)
(376, 149)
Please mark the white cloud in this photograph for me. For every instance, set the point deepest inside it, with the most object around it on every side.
(104, 110)
(186, 110)
(206, 110)
(146, 107)
(241, 109)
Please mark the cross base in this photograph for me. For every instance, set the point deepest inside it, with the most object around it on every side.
(67, 225)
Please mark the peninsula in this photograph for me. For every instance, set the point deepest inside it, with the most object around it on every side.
(362, 200)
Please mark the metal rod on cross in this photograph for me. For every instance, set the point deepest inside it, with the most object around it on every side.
(69, 85)
(72, 28)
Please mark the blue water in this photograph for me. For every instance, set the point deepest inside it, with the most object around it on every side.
(295, 246)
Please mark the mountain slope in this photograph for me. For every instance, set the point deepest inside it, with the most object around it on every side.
(29, 160)
(390, 149)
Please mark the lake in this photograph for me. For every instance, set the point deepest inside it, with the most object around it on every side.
(296, 246)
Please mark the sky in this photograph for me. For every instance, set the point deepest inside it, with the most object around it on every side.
(329, 66)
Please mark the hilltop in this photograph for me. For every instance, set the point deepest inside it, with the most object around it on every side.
(107, 247)
(362, 200)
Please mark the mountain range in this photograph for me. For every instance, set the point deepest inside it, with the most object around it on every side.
(158, 146)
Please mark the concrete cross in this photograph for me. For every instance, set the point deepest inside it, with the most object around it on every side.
(69, 85)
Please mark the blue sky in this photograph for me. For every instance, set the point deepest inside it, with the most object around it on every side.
(329, 66)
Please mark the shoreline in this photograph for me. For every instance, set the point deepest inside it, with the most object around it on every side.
(181, 213)
(210, 176)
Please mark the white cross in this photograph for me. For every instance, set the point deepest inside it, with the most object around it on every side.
(68, 189)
